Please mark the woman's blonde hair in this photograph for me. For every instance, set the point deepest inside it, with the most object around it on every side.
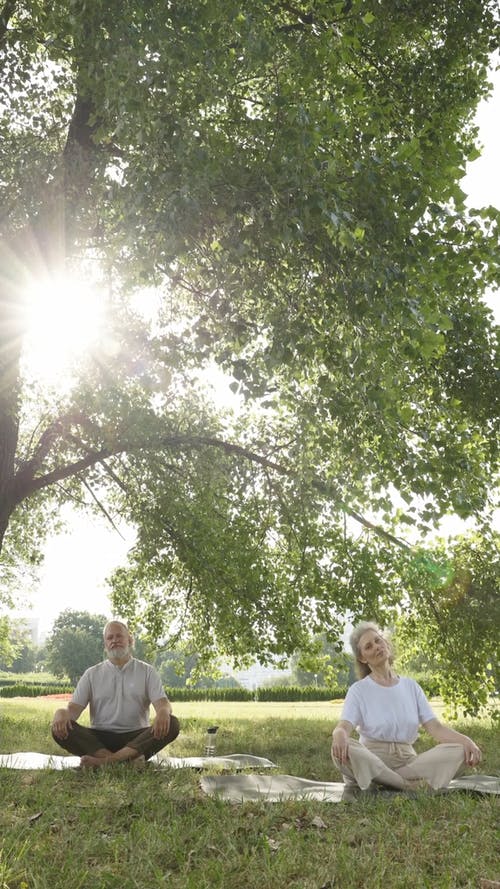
(363, 669)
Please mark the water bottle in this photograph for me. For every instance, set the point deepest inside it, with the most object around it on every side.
(210, 740)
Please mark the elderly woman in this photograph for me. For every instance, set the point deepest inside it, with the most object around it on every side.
(387, 710)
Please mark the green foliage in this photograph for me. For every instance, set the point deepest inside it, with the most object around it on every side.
(26, 658)
(178, 669)
(323, 663)
(429, 682)
(290, 184)
(17, 652)
(453, 616)
(75, 643)
(7, 652)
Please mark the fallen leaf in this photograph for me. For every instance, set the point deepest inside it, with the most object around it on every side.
(489, 884)
(318, 822)
(273, 844)
(35, 817)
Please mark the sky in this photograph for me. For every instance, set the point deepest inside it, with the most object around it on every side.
(78, 560)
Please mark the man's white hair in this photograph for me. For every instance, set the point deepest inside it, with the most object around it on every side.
(120, 623)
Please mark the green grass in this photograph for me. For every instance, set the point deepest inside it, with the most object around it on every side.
(125, 829)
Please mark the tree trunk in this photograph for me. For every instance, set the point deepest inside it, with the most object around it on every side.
(10, 351)
(37, 249)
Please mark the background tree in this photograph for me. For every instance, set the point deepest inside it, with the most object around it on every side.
(7, 652)
(455, 617)
(177, 669)
(324, 663)
(75, 643)
(18, 654)
(27, 659)
(288, 176)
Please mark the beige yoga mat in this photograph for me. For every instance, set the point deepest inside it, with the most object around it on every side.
(233, 761)
(276, 788)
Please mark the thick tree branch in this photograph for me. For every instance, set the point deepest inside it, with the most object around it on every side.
(54, 431)
(62, 472)
(196, 442)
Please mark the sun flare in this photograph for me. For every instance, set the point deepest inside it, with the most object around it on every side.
(64, 319)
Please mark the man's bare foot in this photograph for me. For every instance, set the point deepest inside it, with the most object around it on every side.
(138, 763)
(94, 762)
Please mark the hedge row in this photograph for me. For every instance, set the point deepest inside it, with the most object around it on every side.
(210, 694)
(299, 693)
(276, 693)
(33, 691)
(272, 693)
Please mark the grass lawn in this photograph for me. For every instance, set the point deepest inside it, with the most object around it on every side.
(127, 828)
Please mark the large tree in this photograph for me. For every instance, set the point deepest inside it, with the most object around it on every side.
(75, 643)
(288, 174)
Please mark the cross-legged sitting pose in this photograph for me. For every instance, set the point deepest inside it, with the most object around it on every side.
(387, 711)
(119, 691)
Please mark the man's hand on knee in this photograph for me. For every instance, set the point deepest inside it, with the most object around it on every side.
(161, 722)
(62, 724)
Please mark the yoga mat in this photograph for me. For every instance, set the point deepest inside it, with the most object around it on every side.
(275, 788)
(233, 761)
(478, 783)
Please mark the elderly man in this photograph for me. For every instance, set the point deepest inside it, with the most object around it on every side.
(119, 691)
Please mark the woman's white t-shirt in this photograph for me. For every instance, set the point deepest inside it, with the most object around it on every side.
(383, 713)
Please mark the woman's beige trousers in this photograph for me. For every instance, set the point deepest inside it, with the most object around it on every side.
(397, 765)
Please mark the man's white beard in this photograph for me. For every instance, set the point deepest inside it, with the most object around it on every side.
(118, 652)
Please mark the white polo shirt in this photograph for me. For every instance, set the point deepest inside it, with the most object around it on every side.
(383, 713)
(119, 697)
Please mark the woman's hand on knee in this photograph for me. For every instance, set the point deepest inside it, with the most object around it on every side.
(340, 747)
(472, 753)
